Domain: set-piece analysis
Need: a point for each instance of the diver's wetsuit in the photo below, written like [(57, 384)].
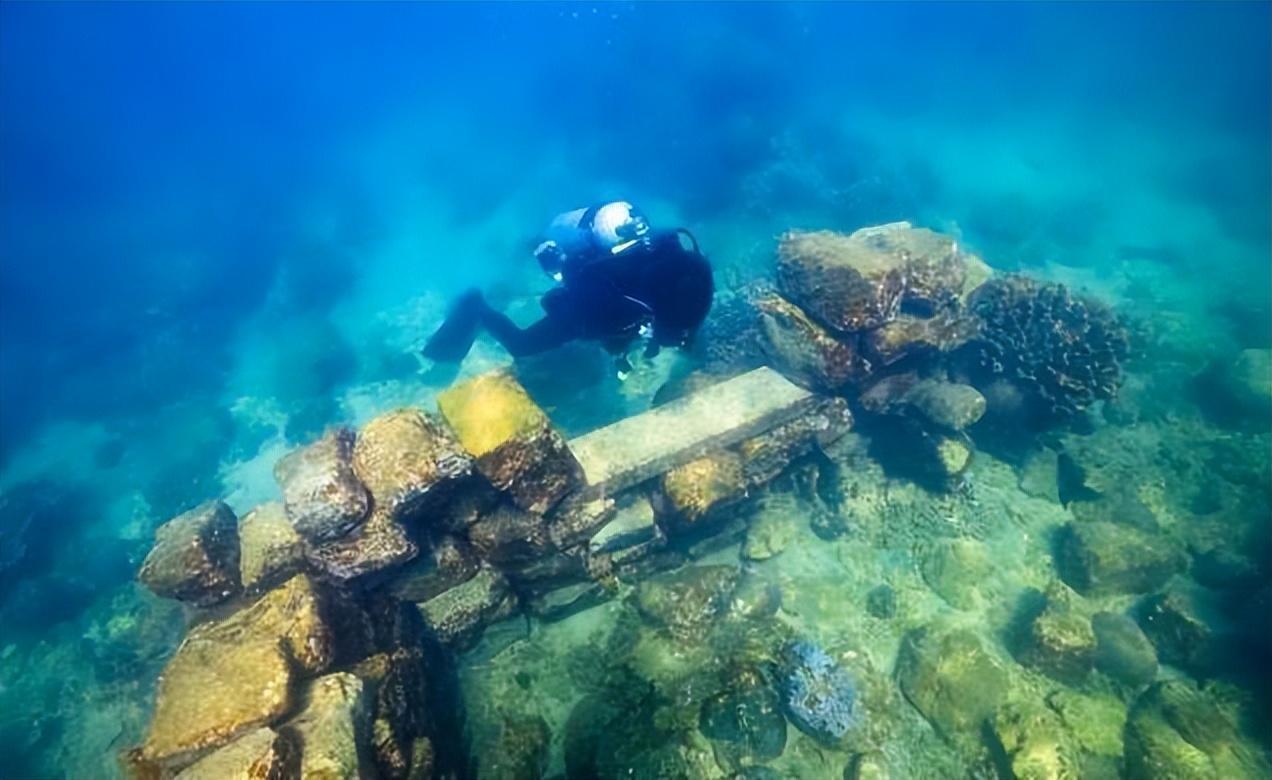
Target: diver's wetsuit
[(603, 297)]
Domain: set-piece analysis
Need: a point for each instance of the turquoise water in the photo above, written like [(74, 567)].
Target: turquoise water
[(224, 228)]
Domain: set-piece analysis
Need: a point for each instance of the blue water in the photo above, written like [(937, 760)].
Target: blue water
[(224, 227)]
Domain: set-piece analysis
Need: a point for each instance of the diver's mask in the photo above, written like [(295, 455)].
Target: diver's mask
[(551, 259)]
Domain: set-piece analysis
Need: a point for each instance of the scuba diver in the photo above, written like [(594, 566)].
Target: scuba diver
[(618, 281)]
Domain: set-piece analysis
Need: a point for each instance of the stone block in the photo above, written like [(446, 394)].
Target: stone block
[(263, 754), (410, 463), (637, 448), (196, 556), (458, 616), (322, 496), (379, 544), (512, 440), (270, 550)]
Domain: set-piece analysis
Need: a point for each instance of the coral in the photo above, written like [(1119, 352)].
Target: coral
[(819, 694), (323, 498), (1065, 352)]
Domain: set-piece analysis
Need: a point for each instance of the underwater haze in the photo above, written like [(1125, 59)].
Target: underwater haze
[(227, 228)]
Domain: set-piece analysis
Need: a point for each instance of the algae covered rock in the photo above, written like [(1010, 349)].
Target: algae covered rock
[(907, 335), (263, 754), (512, 440), (951, 679), (767, 455), (946, 404), (768, 534), (457, 616), (270, 550), (518, 750), (953, 568), (1177, 730), (195, 557), (805, 351), (685, 602), (1175, 622), (323, 498), (820, 695), (510, 535), (448, 562), (844, 282), (378, 544), (396, 690), (1035, 742), (213, 692), (332, 728), (937, 271), (1122, 650), (691, 491), (1102, 557), (745, 717), (1061, 643), (409, 462)]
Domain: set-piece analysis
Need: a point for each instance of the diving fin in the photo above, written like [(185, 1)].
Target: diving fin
[(452, 341)]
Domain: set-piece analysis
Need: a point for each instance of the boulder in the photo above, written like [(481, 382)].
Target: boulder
[(953, 568), (263, 754), (1096, 723), (270, 550), (1122, 651), (687, 601), (688, 493), (767, 455), (908, 335), (1177, 730), (768, 534), (630, 525), (547, 571), (510, 535), (397, 694), (1061, 643), (512, 440), (196, 556), (448, 562), (518, 750), (576, 518), (1103, 557), (379, 544), (315, 625), (212, 692), (560, 603), (1034, 740), (322, 496), (1175, 621), (333, 728), (410, 463), (745, 719), (842, 281), (951, 679), (803, 350), (1040, 475), (946, 404), (458, 616), (936, 271)]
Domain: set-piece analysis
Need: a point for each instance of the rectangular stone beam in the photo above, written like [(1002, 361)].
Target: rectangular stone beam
[(646, 445)]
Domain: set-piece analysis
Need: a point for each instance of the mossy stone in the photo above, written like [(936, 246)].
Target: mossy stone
[(1034, 741), (1102, 557), (954, 567), (1122, 651), (1061, 643), (950, 678)]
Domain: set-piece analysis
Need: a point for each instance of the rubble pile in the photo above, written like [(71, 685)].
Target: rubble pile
[(313, 619)]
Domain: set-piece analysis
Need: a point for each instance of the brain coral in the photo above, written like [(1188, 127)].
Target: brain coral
[(1064, 351)]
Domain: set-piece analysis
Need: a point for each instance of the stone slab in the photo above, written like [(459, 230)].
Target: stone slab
[(637, 448)]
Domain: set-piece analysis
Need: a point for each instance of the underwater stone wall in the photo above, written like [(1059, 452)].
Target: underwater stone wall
[(316, 619)]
